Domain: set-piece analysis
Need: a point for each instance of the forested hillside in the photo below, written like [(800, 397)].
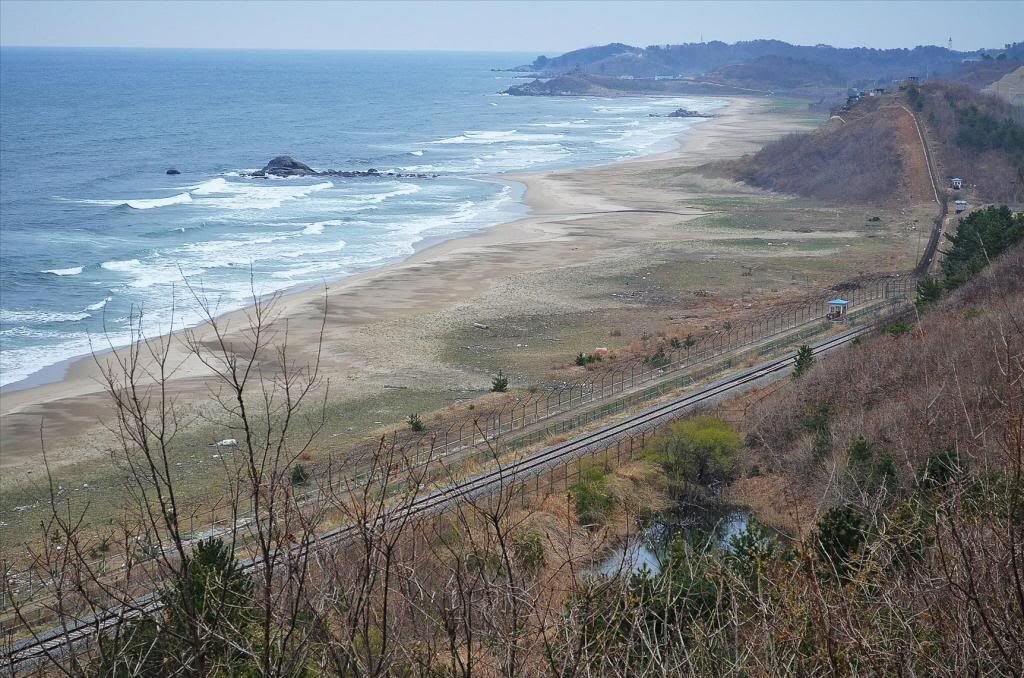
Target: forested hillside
[(699, 58), (981, 138)]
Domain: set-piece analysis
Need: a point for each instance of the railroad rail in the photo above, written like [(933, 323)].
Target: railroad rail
[(55, 644)]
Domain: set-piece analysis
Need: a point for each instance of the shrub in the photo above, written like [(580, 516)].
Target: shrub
[(658, 359), (752, 551), (300, 476), (839, 538), (897, 328), (212, 592), (870, 468), (415, 423), (584, 359), (915, 98), (701, 450), (485, 562), (593, 501), (529, 551), (928, 292), (500, 383), (803, 362), (818, 421), (939, 469)]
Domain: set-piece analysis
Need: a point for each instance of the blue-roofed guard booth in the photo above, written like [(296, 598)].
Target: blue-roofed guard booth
[(837, 309)]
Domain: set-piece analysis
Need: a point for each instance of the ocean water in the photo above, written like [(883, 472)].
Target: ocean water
[(92, 228)]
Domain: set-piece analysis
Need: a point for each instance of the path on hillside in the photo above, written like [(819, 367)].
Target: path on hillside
[(924, 264)]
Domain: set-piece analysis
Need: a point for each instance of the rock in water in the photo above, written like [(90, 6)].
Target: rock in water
[(173, 171), (286, 166)]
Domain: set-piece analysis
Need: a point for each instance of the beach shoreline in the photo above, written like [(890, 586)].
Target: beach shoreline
[(382, 321), (56, 372)]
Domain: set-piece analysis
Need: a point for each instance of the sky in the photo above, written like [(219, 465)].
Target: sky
[(524, 26)]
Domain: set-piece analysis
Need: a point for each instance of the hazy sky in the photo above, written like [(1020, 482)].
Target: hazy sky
[(540, 27)]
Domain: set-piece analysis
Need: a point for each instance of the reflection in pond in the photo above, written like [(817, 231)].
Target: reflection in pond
[(647, 547)]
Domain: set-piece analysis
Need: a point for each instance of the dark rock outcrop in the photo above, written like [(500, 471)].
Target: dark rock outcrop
[(285, 166), (683, 113)]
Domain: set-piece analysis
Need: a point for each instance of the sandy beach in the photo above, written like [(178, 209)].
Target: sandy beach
[(403, 323)]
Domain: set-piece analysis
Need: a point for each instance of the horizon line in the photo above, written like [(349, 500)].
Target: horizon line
[(269, 49), (558, 51)]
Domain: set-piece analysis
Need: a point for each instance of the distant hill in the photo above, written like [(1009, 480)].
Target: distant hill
[(580, 83), (778, 73), (980, 74), (695, 59)]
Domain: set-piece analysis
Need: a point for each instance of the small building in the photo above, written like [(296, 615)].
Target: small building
[(837, 309), (956, 183), (879, 91), (960, 205)]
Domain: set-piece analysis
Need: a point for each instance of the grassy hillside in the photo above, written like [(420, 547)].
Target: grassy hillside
[(872, 154), (871, 157)]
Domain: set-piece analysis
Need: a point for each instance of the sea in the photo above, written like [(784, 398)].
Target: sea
[(93, 231)]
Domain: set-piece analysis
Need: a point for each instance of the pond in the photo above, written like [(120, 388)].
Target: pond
[(647, 547)]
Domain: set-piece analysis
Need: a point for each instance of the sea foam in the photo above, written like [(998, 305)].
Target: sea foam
[(74, 270), (99, 304), (158, 202), (233, 195), (496, 137), (39, 317), (124, 266)]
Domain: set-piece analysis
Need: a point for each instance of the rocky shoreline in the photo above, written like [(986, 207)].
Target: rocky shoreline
[(287, 166), (682, 113)]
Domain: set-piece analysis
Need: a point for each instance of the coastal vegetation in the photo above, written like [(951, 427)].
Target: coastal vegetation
[(885, 537), (499, 384), (701, 450), (981, 237), (803, 361)]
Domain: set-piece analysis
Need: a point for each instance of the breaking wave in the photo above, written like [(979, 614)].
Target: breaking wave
[(74, 270)]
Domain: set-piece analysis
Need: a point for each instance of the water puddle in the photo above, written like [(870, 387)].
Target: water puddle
[(646, 548)]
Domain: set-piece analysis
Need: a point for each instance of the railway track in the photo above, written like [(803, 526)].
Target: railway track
[(55, 643)]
